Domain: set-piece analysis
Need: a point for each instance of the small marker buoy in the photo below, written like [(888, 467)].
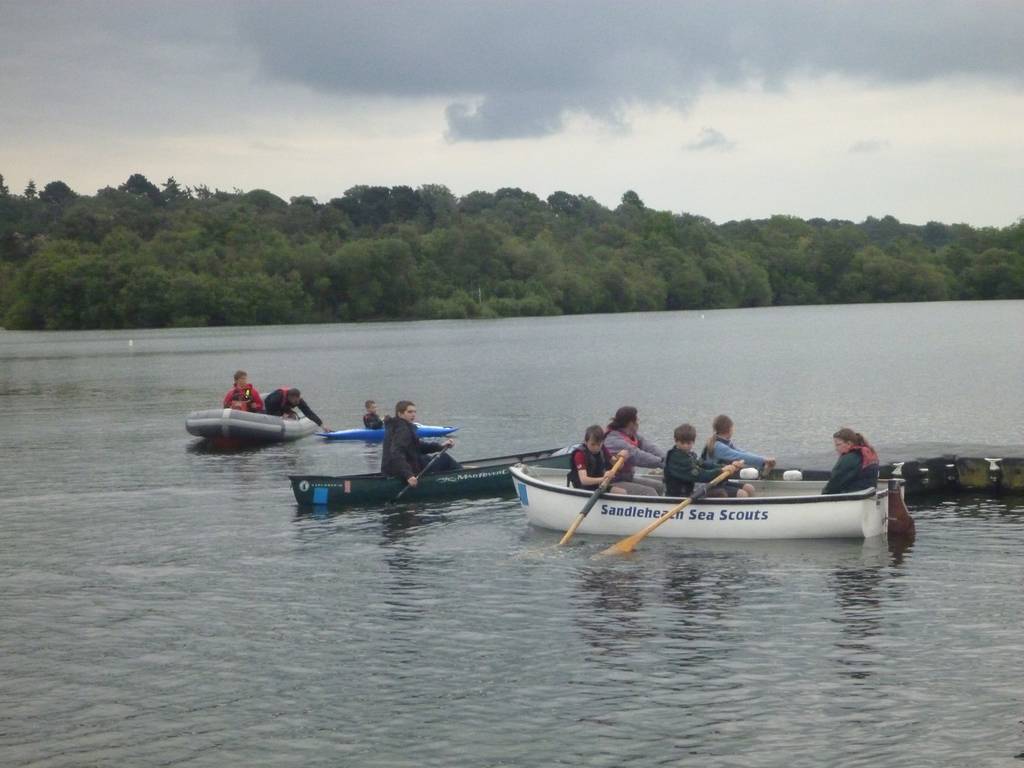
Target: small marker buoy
[(131, 342)]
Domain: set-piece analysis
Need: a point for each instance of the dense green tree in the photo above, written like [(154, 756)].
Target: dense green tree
[(140, 256)]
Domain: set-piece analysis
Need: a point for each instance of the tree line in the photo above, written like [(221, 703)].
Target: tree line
[(143, 255)]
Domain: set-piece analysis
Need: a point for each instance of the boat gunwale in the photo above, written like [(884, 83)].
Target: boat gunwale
[(581, 493), (509, 460)]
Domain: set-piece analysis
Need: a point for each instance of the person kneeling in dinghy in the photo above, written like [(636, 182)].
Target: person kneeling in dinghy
[(402, 453), (243, 395), (283, 402)]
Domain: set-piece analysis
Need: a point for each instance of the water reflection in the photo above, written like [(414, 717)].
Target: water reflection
[(609, 608)]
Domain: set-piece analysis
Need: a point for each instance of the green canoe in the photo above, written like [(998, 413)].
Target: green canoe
[(481, 477)]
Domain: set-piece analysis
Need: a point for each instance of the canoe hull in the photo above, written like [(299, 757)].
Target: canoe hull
[(377, 435), (228, 425), (789, 511), (481, 477)]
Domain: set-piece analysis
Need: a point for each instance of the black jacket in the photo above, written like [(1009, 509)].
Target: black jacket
[(372, 421), (276, 404), (402, 450)]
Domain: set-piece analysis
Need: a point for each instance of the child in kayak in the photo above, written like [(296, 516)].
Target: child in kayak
[(370, 419)]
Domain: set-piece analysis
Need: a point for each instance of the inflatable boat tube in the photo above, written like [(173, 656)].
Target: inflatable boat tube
[(242, 426)]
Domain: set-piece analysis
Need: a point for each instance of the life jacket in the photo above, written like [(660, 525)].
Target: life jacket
[(596, 465), (868, 476), (673, 485), (241, 398), (718, 439)]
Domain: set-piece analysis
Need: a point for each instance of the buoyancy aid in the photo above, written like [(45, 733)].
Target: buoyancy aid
[(868, 465), (596, 465)]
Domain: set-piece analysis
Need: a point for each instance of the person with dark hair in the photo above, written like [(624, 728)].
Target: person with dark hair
[(243, 395), (402, 453), (720, 447), (283, 402), (370, 419), (685, 472), (591, 463), (622, 434), (857, 466)]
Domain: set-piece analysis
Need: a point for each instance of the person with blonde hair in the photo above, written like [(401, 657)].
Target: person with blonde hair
[(857, 466), (721, 449)]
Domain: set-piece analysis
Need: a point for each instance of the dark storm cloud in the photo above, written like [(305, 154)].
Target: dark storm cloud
[(505, 69), (513, 69)]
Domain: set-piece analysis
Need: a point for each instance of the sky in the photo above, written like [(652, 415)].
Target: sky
[(725, 109)]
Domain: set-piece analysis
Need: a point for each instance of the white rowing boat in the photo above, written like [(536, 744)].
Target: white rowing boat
[(780, 509)]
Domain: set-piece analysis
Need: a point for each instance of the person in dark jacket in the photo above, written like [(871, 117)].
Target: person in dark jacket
[(591, 463), (857, 466), (284, 401), (370, 419), (686, 472), (402, 454)]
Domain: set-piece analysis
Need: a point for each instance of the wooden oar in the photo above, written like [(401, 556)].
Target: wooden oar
[(629, 543), (592, 500), (422, 473)]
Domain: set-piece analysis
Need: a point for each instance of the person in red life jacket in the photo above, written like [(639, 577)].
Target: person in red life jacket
[(243, 396), (857, 466), (591, 463), (370, 419), (284, 401), (403, 455), (623, 434)]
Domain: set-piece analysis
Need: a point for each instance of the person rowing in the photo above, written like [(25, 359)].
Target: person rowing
[(402, 453), (623, 434), (721, 449)]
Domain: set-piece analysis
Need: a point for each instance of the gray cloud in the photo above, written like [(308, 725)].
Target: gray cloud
[(710, 139), (527, 63), (868, 146), (506, 69)]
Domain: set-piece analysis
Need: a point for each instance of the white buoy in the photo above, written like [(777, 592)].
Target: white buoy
[(131, 342), (792, 474), (749, 473)]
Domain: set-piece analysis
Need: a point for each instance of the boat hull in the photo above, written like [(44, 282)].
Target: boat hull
[(787, 510), (481, 477), (377, 435), (229, 425)]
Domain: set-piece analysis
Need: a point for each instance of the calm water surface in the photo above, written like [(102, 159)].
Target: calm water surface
[(164, 605)]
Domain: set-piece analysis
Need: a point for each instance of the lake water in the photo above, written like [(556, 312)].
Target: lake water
[(165, 605)]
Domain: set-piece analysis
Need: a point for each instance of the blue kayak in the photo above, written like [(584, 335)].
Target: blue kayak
[(377, 435)]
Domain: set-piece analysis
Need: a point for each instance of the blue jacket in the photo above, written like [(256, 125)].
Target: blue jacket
[(726, 453)]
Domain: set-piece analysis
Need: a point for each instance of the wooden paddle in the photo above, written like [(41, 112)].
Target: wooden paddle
[(423, 471), (592, 500), (629, 543)]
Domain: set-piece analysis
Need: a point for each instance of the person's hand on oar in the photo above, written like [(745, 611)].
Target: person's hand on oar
[(629, 543), (607, 481), (412, 482)]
